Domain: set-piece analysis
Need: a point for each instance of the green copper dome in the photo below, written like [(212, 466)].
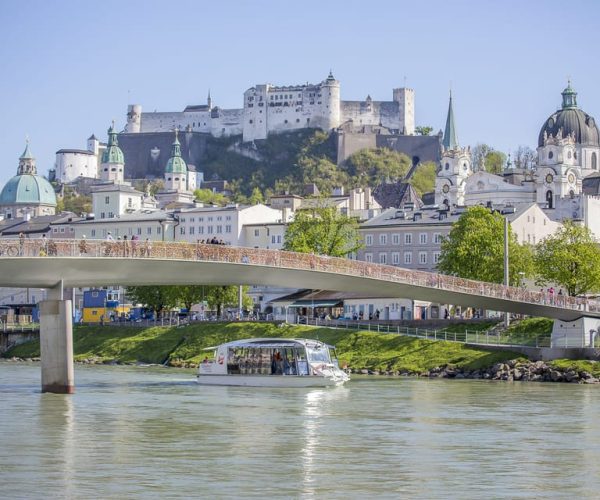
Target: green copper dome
[(28, 189), (113, 153), (176, 164)]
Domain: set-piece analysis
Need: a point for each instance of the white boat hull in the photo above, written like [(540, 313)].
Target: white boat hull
[(268, 380)]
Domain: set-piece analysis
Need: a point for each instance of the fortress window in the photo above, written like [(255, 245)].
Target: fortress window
[(250, 121), (550, 155), (113, 169), (106, 169), (285, 121), (297, 120)]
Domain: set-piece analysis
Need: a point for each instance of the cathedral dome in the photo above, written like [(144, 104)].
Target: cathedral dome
[(28, 189), (570, 120)]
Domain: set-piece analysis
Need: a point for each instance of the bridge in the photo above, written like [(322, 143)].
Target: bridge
[(58, 264)]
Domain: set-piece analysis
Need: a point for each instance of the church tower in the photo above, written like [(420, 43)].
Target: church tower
[(112, 167), (455, 166), (176, 170)]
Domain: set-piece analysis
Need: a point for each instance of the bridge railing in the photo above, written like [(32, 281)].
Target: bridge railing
[(48, 248)]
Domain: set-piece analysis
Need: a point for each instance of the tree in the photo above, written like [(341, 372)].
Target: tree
[(324, 231), (474, 249), (369, 167), (256, 196), (479, 154), (423, 130), (571, 258), (73, 202), (221, 296), (209, 196), (495, 162), (524, 157), (188, 295), (157, 298), (423, 178)]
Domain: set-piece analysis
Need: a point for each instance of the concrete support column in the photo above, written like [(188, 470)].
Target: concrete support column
[(56, 344)]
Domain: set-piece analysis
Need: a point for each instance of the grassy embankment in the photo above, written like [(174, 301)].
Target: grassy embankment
[(184, 345)]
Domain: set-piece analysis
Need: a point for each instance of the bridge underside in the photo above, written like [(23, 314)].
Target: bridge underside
[(79, 272)]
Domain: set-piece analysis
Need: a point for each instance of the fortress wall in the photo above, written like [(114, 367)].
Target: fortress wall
[(384, 113)]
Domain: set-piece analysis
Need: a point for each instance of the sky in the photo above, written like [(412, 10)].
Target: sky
[(70, 67)]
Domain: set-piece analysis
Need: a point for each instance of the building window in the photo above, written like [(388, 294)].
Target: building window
[(93, 233), (423, 238), (408, 239), (273, 239), (219, 218), (395, 258), (129, 202), (209, 230), (148, 230), (157, 229), (228, 228), (192, 230), (437, 238), (368, 257), (102, 215), (383, 239), (111, 215), (139, 231), (550, 154), (200, 230), (594, 161), (182, 230), (383, 258), (422, 257), (408, 257), (369, 240), (396, 239), (107, 200), (219, 229), (436, 257), (257, 232)]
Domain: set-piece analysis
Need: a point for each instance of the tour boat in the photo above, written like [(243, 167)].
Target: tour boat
[(272, 363)]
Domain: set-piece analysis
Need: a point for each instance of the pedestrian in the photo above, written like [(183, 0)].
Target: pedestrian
[(109, 237), (21, 243)]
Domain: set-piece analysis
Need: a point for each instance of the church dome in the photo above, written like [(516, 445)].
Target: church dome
[(28, 189), (571, 120), (113, 153), (176, 164)]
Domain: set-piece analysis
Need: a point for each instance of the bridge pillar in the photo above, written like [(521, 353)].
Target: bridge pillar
[(56, 343)]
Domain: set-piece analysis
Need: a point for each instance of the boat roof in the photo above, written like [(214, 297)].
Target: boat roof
[(272, 343)]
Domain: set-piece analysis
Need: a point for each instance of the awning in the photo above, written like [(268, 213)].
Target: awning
[(317, 303)]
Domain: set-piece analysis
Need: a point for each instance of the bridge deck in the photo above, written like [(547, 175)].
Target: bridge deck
[(42, 264)]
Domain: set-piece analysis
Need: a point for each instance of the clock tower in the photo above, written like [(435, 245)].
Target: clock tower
[(455, 166)]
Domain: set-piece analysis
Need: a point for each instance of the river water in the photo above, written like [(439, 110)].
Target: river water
[(147, 431)]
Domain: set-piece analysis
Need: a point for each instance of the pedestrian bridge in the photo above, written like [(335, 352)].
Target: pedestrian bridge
[(78, 263), (56, 264)]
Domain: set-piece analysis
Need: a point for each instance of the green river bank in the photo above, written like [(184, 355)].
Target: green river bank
[(360, 351)]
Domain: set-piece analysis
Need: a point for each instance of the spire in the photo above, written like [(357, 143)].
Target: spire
[(27, 153), (569, 97), (176, 146), (450, 141), (112, 136), (27, 161), (209, 100)]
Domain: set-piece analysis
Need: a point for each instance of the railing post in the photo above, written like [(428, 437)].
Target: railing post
[(398, 329)]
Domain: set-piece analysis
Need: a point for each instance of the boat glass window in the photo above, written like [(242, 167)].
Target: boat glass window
[(318, 355)]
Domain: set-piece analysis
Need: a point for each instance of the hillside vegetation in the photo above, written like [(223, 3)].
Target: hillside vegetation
[(179, 346), (288, 161)]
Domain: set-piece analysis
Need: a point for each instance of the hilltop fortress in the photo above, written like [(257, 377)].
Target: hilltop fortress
[(270, 110)]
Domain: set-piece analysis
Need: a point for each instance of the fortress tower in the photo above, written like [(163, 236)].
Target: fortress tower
[(405, 98)]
